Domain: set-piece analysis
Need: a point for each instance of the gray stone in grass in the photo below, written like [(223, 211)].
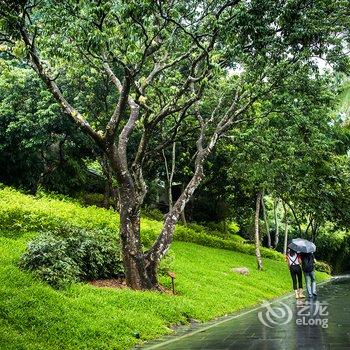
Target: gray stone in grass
[(241, 270)]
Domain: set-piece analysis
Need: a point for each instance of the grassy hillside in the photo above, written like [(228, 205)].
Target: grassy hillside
[(21, 213), (35, 316)]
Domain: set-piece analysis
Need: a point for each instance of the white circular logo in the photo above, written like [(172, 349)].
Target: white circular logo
[(275, 315)]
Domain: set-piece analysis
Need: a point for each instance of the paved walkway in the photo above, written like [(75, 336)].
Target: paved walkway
[(283, 324)]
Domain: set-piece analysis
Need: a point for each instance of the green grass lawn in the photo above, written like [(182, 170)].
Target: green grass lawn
[(35, 316)]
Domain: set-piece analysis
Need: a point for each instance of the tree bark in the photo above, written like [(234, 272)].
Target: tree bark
[(314, 229), (257, 235), (165, 238), (275, 207), (183, 214), (266, 221), (106, 195), (139, 271), (170, 174), (296, 219), (285, 228)]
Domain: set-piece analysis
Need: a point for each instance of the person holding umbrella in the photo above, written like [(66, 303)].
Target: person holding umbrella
[(294, 262), (308, 261), (306, 248)]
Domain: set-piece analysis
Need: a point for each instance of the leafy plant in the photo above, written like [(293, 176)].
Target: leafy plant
[(153, 214), (167, 263), (323, 267), (66, 255)]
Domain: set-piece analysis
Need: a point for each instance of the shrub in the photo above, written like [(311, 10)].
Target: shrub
[(238, 238), (46, 258), (61, 216), (153, 214), (270, 253), (70, 254), (222, 229), (86, 198), (167, 263), (233, 227), (323, 267), (218, 229), (196, 227)]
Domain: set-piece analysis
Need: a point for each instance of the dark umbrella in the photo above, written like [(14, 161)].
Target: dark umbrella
[(302, 246)]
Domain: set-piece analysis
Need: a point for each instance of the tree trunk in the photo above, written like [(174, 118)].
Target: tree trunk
[(141, 268), (161, 246), (183, 215), (106, 195), (296, 219), (266, 221), (139, 271), (183, 218), (314, 230), (285, 229), (170, 174), (275, 207), (308, 226), (257, 236)]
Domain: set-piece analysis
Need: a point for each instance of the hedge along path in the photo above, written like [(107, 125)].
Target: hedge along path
[(20, 212)]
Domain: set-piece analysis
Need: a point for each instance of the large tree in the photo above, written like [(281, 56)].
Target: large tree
[(200, 64)]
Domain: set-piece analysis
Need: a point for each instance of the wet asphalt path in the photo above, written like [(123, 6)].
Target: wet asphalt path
[(285, 324)]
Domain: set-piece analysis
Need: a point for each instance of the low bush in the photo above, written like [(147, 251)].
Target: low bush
[(46, 257), (222, 229), (69, 254), (238, 238), (218, 229), (167, 263), (86, 198), (148, 236), (323, 267), (153, 214), (196, 227)]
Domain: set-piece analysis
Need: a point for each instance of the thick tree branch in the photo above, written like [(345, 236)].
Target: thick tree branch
[(113, 123), (74, 115), (160, 67)]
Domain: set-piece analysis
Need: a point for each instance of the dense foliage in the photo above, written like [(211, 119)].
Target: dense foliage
[(68, 255), (39, 146)]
